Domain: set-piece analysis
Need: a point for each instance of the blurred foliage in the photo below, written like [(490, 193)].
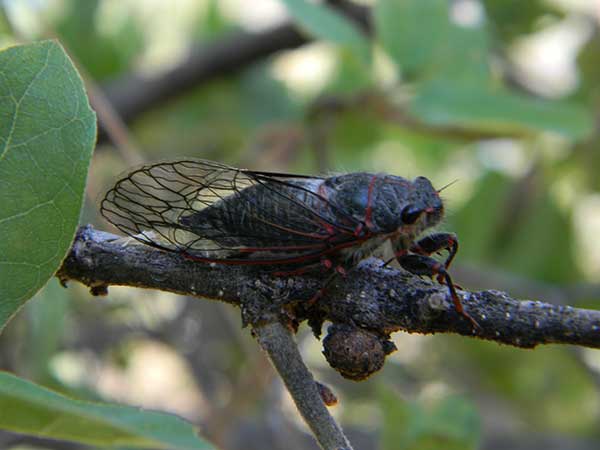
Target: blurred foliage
[(103, 55), (450, 422), (546, 386), (447, 50), (326, 24), (211, 23), (46, 318), (509, 25), (508, 242), (431, 91)]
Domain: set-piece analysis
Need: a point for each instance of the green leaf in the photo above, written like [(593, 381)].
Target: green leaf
[(443, 103), (445, 49), (29, 408), (451, 423), (47, 134), (324, 23)]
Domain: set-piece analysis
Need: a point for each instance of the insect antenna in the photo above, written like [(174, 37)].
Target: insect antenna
[(447, 186)]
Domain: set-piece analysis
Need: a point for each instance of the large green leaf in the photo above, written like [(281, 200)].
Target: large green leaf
[(47, 134), (28, 408), (324, 23), (443, 103)]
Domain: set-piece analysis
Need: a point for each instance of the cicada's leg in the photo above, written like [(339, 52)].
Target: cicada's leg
[(324, 265), (337, 270), (437, 242), (425, 265)]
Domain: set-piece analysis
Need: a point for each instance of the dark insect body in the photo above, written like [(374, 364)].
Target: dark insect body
[(213, 213)]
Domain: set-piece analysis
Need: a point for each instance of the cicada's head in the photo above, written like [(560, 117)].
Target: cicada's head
[(389, 203), (411, 206), (424, 207)]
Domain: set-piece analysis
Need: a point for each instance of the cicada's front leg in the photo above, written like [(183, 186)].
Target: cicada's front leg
[(428, 266), (435, 243)]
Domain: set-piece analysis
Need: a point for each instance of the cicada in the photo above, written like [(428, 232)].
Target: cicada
[(213, 213)]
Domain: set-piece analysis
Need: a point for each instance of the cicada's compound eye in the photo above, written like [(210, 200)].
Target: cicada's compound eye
[(410, 214)]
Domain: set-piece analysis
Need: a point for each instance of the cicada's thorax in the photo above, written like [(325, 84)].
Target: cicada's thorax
[(378, 200)]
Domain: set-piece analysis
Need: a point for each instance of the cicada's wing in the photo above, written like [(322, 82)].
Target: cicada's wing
[(213, 212)]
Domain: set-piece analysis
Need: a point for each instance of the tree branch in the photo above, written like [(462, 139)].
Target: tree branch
[(382, 300), (364, 307)]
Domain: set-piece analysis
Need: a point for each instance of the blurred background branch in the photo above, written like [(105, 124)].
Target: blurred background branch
[(132, 95)]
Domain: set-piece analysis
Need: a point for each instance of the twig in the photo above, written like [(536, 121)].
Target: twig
[(113, 125), (278, 342)]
